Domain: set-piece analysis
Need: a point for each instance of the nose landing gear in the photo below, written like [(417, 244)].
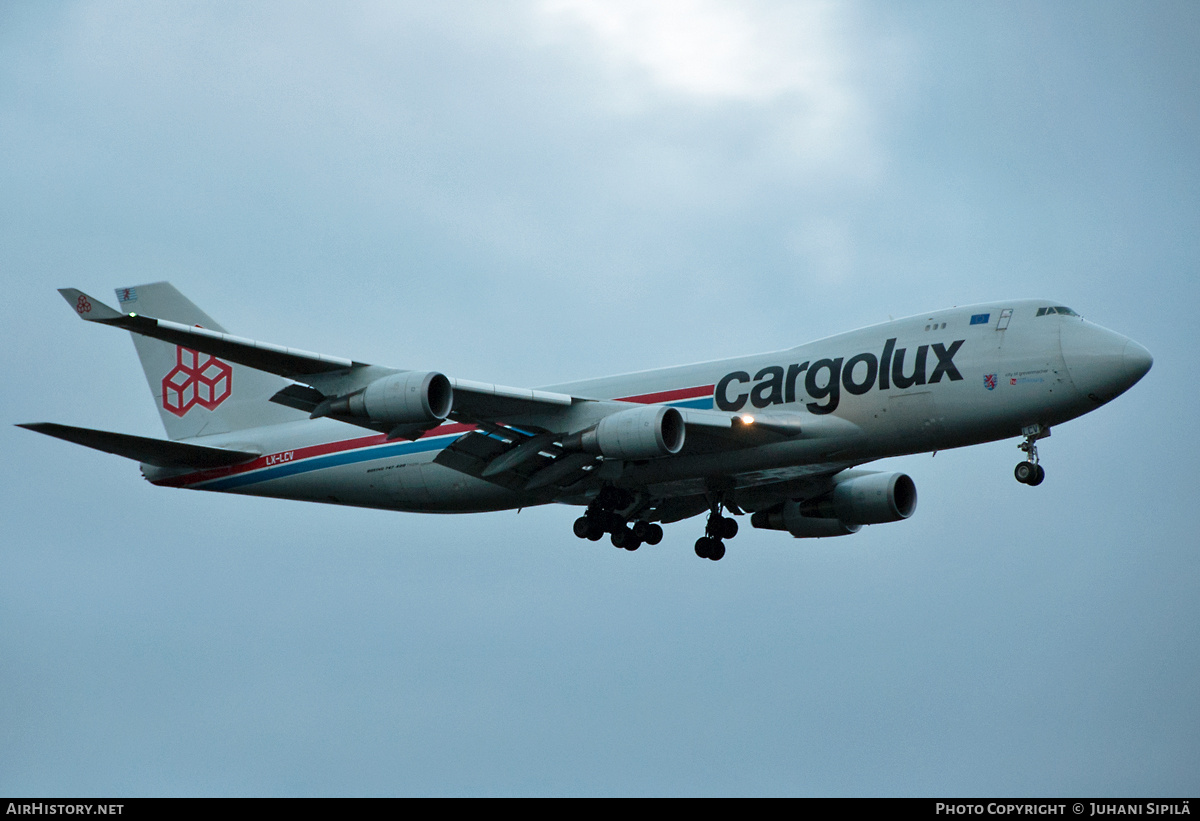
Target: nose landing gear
[(1030, 472)]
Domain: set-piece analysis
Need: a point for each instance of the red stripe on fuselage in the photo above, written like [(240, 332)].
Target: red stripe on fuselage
[(297, 454), (670, 396), (447, 429)]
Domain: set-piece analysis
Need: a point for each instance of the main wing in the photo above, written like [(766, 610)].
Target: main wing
[(523, 439), (327, 377)]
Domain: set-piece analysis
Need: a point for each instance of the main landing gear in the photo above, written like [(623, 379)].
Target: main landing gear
[(602, 517), (612, 508), (711, 544), (1030, 472)]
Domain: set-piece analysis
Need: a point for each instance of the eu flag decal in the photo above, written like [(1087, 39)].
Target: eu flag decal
[(980, 319)]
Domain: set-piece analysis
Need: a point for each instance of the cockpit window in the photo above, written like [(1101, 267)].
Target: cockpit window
[(1059, 309)]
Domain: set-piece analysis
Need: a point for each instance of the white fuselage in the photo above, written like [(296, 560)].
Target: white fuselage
[(946, 379)]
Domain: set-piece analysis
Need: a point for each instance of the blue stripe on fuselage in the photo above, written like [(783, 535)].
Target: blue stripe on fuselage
[(702, 403), (332, 460), (368, 454)]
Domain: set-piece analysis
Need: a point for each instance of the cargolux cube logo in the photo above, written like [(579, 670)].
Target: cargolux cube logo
[(194, 380)]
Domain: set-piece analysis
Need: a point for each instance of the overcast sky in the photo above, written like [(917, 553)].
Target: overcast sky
[(536, 192)]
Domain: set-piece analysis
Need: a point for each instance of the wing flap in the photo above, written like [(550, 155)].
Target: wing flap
[(472, 452), (515, 459), (475, 401)]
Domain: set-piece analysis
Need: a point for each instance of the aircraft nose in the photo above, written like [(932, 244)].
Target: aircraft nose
[(1137, 361), (1102, 364)]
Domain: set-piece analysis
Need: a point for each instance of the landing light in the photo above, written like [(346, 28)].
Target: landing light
[(747, 419)]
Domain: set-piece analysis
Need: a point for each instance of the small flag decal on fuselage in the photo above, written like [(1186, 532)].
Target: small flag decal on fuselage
[(980, 319)]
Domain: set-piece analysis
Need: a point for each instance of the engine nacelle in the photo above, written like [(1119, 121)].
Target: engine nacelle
[(409, 398), (790, 518), (866, 498), (638, 433)]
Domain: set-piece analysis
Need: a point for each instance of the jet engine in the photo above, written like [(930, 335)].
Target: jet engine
[(638, 433), (409, 398), (789, 518), (865, 498), (858, 498)]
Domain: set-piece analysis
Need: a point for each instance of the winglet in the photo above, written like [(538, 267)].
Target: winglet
[(88, 307)]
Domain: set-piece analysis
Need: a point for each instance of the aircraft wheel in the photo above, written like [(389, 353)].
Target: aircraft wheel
[(581, 527), (1025, 472), (632, 543), (729, 528), (1039, 476), (595, 531), (709, 548), (621, 537), (647, 532)]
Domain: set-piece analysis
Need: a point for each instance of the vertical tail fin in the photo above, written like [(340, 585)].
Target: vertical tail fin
[(197, 394)]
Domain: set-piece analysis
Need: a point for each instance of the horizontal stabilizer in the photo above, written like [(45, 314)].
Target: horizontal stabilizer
[(157, 452)]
